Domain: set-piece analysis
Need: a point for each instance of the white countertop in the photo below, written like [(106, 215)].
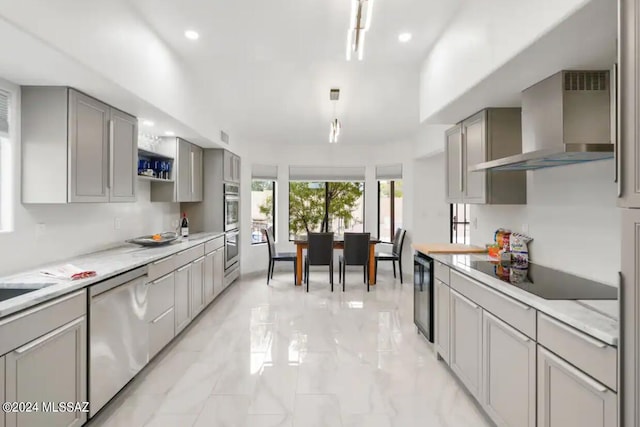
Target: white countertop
[(106, 264), (598, 318)]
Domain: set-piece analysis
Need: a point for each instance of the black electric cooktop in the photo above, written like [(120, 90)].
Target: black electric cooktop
[(546, 282)]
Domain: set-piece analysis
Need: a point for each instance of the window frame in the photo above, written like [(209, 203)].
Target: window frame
[(326, 206), (453, 224), (273, 209), (392, 208)]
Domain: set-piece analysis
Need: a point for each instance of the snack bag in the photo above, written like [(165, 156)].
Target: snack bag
[(502, 237), (518, 244)]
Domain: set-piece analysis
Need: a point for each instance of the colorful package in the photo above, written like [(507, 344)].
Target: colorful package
[(518, 245)]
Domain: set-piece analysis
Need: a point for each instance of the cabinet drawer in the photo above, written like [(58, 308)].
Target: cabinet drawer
[(27, 325), (214, 244), (441, 272), (590, 355), (161, 332), (185, 257), (161, 267), (517, 314), (160, 295)]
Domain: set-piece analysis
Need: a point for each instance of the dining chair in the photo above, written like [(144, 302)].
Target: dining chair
[(275, 256), (319, 252), (395, 255), (356, 252)]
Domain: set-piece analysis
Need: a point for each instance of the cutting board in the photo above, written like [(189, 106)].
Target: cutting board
[(447, 248)]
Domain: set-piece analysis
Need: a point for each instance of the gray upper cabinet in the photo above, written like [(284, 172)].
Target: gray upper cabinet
[(123, 157), (627, 149), (441, 341), (51, 368), (508, 374), (466, 342), (491, 134), (188, 173), (453, 153), (231, 168), (569, 398), (75, 148)]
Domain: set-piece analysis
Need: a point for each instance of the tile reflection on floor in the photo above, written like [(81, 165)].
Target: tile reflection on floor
[(278, 356)]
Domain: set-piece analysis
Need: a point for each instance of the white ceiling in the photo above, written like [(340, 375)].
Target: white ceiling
[(265, 67)]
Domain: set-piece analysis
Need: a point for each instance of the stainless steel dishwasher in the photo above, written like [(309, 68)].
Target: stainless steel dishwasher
[(118, 335)]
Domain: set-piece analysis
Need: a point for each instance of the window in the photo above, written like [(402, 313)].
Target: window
[(325, 206), (389, 209), (6, 167), (263, 209), (460, 215)]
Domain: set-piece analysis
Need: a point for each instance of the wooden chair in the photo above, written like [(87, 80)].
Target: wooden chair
[(319, 252), (395, 255), (356, 252), (275, 256)]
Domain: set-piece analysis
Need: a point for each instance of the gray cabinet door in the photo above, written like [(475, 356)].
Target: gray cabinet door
[(89, 149), (628, 144), (567, 397), (2, 387), (441, 341), (453, 155), (209, 261), (123, 157), (184, 182), (630, 310), (52, 368), (508, 374), (197, 287), (227, 168), (474, 137), (466, 342), (197, 177), (218, 271), (182, 305), (236, 168)]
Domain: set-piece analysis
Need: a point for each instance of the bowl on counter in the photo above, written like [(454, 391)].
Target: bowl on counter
[(152, 240)]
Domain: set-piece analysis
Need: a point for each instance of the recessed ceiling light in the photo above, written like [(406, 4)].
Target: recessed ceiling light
[(169, 133), (191, 35), (404, 37), (148, 123)]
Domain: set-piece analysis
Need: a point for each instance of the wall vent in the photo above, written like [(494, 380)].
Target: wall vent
[(224, 137), (585, 80), (334, 94)]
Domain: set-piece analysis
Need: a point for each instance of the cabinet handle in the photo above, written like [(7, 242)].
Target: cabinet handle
[(512, 301), (509, 328), (159, 318), (461, 159), (184, 268), (577, 334), (160, 280), (199, 260), (192, 171), (618, 127), (48, 336), (163, 260), (110, 160), (576, 372), (466, 300)]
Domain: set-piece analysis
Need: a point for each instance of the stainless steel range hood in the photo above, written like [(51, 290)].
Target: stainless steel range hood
[(566, 119)]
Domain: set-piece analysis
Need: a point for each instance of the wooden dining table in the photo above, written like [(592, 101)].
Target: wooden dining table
[(338, 243)]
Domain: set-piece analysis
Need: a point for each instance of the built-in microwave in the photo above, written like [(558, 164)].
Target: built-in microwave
[(231, 207)]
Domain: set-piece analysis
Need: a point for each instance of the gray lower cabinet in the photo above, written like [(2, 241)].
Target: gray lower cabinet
[(161, 331), (508, 374), (182, 304), (197, 287), (209, 290), (123, 157), (51, 368), (218, 272), (466, 342), (161, 322), (2, 383), (441, 341), (569, 398)]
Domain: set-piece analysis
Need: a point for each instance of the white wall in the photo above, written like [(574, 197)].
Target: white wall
[(431, 212), (484, 36), (254, 257), (572, 216), (71, 230)]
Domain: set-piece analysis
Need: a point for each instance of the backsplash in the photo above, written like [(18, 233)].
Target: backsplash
[(571, 215)]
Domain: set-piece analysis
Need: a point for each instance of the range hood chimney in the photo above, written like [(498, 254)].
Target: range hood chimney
[(566, 119)]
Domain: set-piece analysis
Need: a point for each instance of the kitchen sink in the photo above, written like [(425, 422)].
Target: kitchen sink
[(8, 293)]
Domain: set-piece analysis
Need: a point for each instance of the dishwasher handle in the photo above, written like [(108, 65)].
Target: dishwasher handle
[(105, 286)]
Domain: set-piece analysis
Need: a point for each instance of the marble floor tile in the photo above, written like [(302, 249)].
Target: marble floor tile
[(278, 356)]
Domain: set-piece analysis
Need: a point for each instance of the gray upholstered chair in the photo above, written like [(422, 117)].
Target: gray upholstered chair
[(275, 256), (356, 252), (395, 255), (319, 252)]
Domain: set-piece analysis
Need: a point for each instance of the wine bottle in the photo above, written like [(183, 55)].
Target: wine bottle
[(184, 225)]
